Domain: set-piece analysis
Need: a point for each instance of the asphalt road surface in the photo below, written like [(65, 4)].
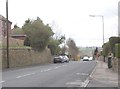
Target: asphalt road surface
[(72, 74)]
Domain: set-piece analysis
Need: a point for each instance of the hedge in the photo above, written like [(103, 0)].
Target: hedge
[(117, 50), (106, 49)]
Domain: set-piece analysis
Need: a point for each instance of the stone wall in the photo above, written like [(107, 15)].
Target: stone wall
[(25, 57), (115, 64)]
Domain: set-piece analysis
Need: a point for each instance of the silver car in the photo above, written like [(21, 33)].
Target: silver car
[(61, 59)]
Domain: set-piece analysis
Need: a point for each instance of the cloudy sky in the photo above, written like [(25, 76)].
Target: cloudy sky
[(69, 17)]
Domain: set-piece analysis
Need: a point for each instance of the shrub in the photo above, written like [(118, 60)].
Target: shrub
[(117, 50)]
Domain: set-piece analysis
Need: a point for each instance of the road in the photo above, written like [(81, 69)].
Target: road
[(72, 74)]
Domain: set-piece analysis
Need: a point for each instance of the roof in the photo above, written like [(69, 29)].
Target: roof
[(19, 35), (4, 19)]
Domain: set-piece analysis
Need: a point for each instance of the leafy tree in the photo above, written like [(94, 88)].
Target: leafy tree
[(15, 26), (17, 31), (54, 46), (38, 33), (27, 41)]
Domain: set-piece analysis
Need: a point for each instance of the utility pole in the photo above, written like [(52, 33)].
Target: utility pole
[(103, 28), (64, 44), (7, 33)]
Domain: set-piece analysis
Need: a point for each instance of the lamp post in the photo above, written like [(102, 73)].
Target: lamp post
[(102, 26), (7, 33), (102, 22)]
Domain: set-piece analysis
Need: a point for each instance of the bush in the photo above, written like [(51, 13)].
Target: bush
[(117, 50), (113, 41), (27, 42), (106, 49)]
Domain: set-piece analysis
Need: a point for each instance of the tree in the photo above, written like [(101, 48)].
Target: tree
[(17, 31), (15, 26), (27, 41), (38, 33), (73, 50), (54, 46)]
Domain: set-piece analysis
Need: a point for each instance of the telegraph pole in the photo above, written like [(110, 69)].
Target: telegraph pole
[(7, 33), (64, 44)]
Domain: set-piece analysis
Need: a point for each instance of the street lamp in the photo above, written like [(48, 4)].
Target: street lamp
[(102, 23), (102, 26)]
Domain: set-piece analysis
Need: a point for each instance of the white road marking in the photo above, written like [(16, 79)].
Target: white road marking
[(59, 66), (41, 71), (85, 74), (25, 75), (81, 74), (2, 81), (84, 84), (55, 67), (49, 69), (74, 83), (78, 83), (46, 70), (77, 73)]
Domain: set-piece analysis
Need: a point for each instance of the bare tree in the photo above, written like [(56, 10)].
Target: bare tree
[(73, 50)]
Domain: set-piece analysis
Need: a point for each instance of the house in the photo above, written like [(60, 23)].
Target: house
[(3, 26), (14, 40)]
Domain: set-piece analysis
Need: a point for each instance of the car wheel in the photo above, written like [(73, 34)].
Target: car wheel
[(55, 62), (62, 62)]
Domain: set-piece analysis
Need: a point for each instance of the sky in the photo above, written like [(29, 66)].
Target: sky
[(69, 17)]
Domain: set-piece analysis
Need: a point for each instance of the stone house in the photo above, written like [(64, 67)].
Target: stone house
[(3, 27)]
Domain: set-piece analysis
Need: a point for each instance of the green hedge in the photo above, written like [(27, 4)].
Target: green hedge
[(117, 50), (113, 41), (106, 49)]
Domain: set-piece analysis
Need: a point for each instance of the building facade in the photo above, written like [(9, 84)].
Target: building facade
[(3, 27)]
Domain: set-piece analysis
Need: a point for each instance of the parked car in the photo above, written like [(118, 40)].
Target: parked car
[(65, 58), (61, 59), (85, 58)]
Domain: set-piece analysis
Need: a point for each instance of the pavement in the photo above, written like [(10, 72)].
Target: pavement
[(102, 76)]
